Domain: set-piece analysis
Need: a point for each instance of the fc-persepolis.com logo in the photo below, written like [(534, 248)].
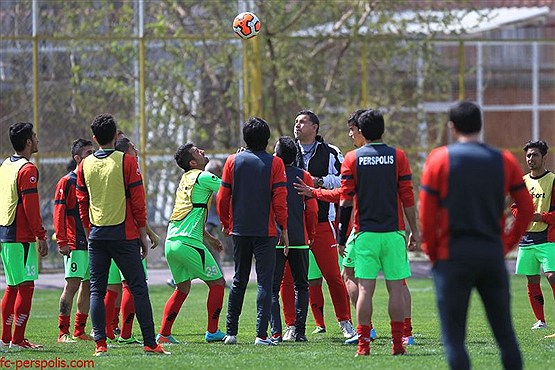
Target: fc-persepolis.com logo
[(55, 363)]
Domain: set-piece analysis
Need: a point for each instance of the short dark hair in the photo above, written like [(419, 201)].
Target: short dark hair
[(540, 144), (78, 145), (256, 133), (104, 128), (183, 156), (353, 118), (122, 144), (312, 117), (71, 165), (20, 132), (466, 116), (371, 124), (286, 149)]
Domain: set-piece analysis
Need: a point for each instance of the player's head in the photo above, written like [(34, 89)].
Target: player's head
[(104, 129), (188, 156), (535, 154), (22, 137), (125, 145), (81, 149), (256, 133), (307, 125), (286, 149), (466, 118), (371, 124), (354, 131), (215, 166)]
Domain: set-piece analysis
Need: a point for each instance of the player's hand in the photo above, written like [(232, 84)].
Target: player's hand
[(215, 243), (285, 241), (414, 241), (302, 188), (65, 250), (43, 248), (154, 238), (340, 249), (537, 217), (144, 245)]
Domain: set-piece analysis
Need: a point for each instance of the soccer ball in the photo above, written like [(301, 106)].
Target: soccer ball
[(246, 25)]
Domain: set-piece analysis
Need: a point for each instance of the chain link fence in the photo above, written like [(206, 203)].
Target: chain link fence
[(165, 90)]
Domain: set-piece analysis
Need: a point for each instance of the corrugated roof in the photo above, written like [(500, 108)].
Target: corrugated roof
[(426, 22)]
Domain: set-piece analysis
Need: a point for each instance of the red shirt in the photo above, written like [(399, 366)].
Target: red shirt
[(67, 224)]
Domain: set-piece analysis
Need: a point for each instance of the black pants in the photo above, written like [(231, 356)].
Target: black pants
[(454, 281), (264, 251), (127, 256), (298, 261)]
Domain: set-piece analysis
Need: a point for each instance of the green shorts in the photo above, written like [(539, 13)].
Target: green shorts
[(77, 265), (313, 269), (189, 259), (385, 252), (349, 259), (115, 276), (20, 262), (530, 258)]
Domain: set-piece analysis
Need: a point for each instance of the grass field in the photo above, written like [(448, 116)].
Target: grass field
[(324, 351)]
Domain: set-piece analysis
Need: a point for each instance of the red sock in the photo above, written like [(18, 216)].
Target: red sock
[(407, 328), (22, 310), (363, 332), (287, 292), (127, 313), (397, 336), (115, 320), (535, 296), (80, 324), (8, 302), (316, 298), (173, 305), (63, 324), (214, 305), (109, 305)]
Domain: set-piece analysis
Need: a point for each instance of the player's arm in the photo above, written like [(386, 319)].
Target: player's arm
[(133, 182), (549, 217), (134, 185), (279, 192), (60, 218), (27, 181), (83, 199), (209, 181), (223, 199), (311, 212), (212, 241), (326, 195), (333, 178), (348, 190), (430, 192), (522, 199), (154, 238), (406, 194)]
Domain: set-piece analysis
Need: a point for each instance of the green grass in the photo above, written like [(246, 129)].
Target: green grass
[(322, 350)]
